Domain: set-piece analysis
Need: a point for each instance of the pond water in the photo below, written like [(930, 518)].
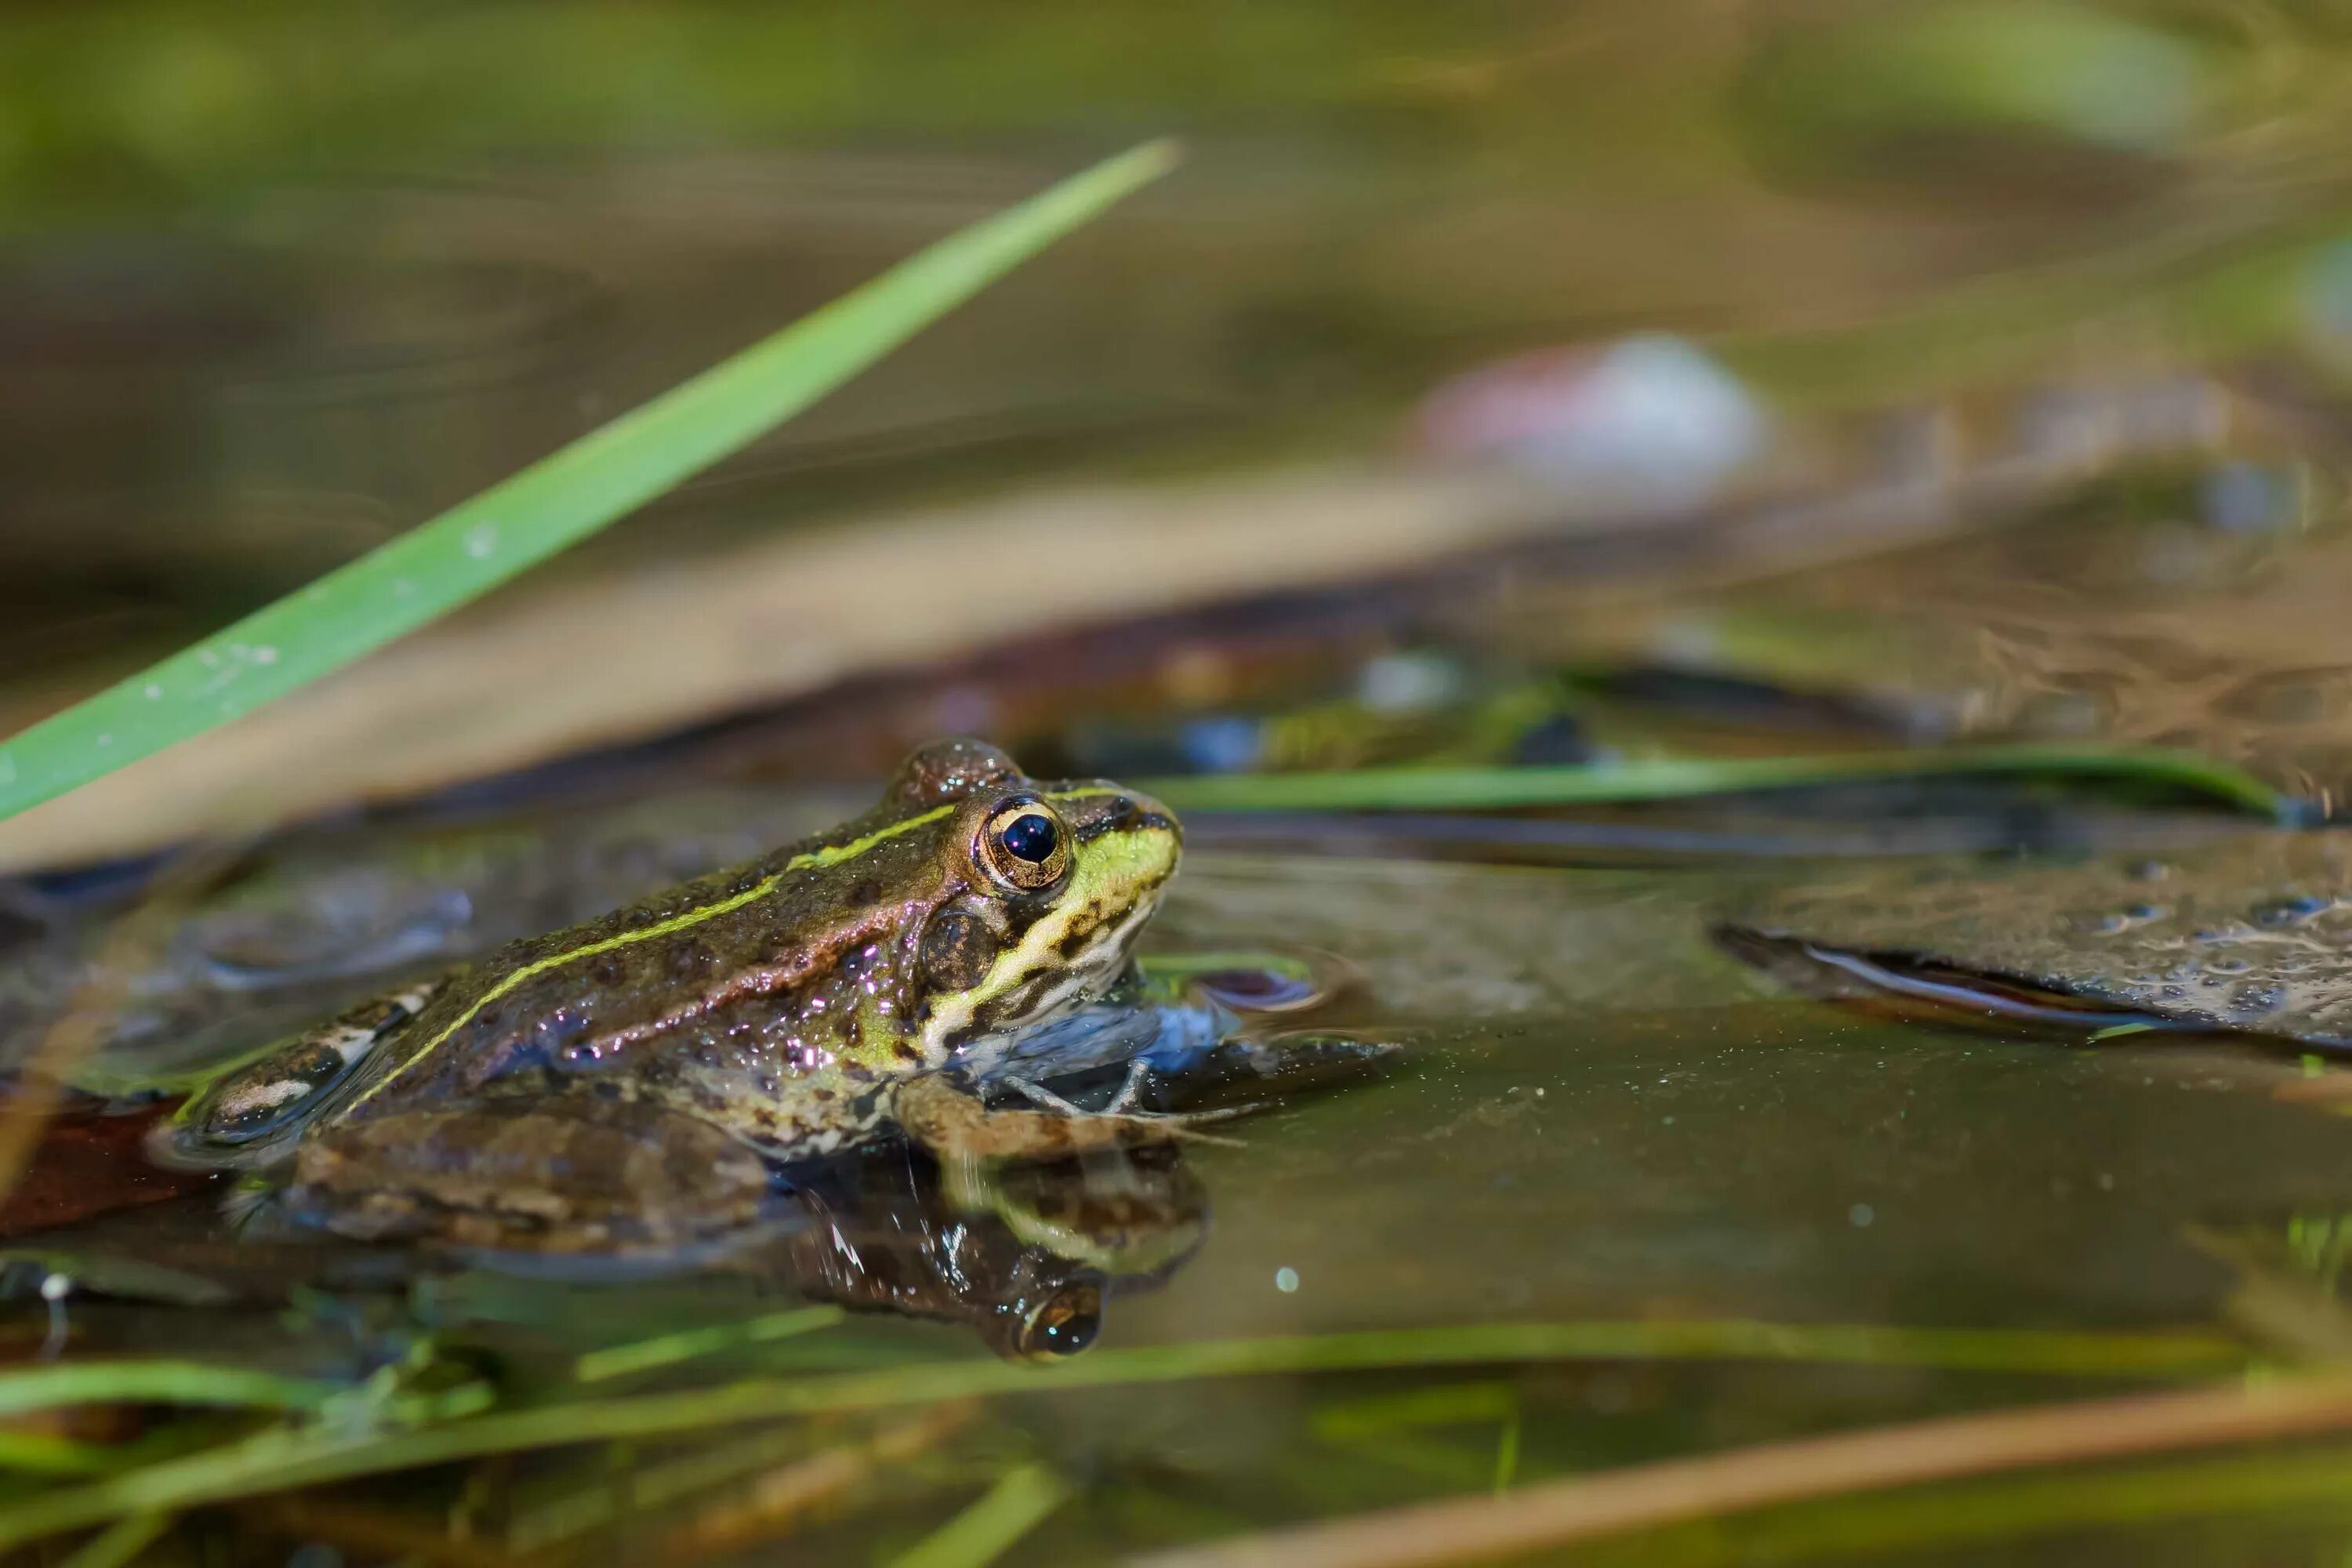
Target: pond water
[(1555, 395)]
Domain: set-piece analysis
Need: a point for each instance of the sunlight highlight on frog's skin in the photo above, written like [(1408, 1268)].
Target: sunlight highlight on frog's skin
[(627, 1077)]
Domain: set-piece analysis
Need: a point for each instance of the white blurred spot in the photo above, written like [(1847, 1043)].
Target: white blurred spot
[(1407, 682), (1649, 420)]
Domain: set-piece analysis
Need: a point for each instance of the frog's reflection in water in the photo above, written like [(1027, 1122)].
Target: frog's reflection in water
[(1031, 1271), (1029, 1257), (1027, 1254)]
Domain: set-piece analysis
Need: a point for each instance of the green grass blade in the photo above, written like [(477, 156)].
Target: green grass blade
[(120, 1542), (1497, 788), (24, 1390), (278, 1457), (668, 1350), (553, 503), (1021, 1500)]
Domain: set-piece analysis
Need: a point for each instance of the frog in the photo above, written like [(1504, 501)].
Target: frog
[(2247, 935), (637, 1081)]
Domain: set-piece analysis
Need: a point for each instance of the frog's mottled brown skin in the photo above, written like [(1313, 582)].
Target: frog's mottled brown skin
[(2250, 933), (776, 1010)]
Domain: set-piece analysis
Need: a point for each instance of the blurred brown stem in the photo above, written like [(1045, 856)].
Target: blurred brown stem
[(1585, 1508)]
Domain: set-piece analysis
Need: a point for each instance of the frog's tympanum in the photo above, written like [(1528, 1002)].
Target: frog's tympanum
[(2250, 933), (630, 1080)]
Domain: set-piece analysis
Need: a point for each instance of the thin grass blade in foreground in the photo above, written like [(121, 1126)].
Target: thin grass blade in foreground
[(554, 503), (1585, 1508), (1021, 1500), (285, 1456), (1500, 788)]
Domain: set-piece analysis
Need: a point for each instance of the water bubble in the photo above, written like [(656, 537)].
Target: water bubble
[(2292, 911), (2246, 498), (1860, 1215), (1286, 1280)]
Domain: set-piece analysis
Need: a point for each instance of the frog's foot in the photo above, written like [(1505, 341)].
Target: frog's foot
[(247, 1117), (946, 1117), (1248, 1073)]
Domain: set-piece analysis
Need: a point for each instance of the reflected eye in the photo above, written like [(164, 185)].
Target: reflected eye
[(1064, 1324), (1025, 848)]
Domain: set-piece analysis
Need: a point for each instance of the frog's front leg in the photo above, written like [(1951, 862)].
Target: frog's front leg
[(247, 1116)]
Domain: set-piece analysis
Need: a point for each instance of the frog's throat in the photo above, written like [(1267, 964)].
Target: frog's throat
[(1070, 951), (823, 855)]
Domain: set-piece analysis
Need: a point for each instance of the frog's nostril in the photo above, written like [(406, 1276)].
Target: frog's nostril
[(1109, 814)]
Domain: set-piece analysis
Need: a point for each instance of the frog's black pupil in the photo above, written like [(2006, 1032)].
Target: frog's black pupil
[(1068, 1324), (1032, 838)]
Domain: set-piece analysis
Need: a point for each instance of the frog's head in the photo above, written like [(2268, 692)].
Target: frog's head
[(1035, 890)]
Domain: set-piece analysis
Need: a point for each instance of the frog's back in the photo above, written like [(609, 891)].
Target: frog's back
[(739, 954)]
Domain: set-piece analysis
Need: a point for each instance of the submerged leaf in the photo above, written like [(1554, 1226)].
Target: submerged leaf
[(2250, 933)]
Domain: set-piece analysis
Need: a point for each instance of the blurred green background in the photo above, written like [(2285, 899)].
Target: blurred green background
[(278, 280)]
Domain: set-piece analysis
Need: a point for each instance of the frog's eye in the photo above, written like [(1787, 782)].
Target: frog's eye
[(1064, 1324), (1025, 847)]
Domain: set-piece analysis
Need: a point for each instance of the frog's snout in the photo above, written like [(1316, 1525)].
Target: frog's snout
[(1115, 808)]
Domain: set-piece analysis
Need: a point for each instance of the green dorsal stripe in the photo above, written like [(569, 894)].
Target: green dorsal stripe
[(828, 855)]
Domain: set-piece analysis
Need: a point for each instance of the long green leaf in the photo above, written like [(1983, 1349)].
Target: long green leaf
[(555, 502), (1498, 788)]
